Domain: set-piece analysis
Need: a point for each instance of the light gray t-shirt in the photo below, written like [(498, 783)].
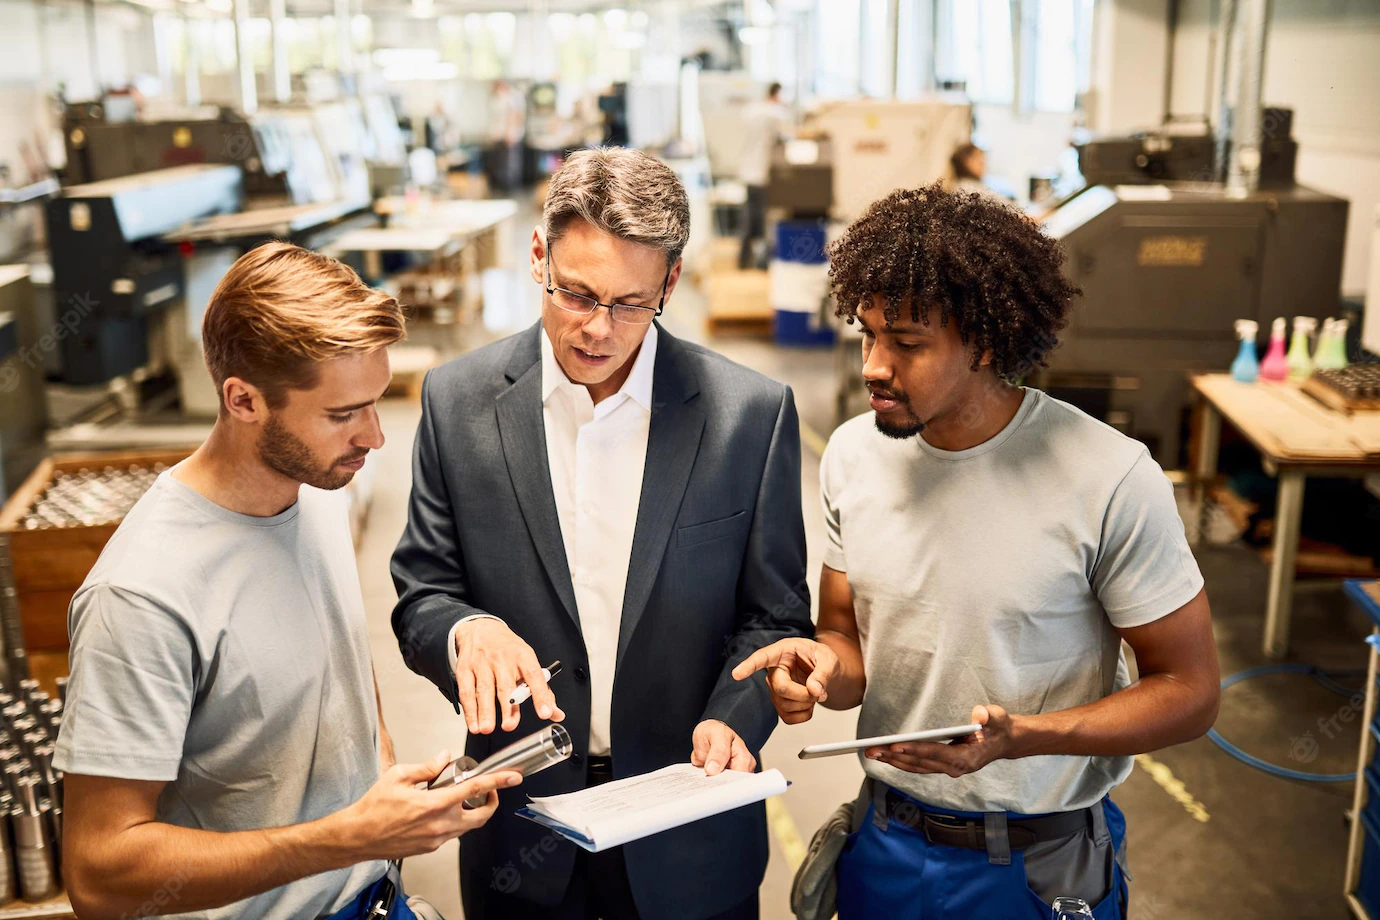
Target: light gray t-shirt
[(997, 575), (228, 655)]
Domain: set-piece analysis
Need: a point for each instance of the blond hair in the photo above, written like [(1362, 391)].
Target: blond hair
[(627, 193), (281, 309)]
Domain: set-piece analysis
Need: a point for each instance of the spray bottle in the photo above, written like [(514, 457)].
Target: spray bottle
[(1332, 346), (1246, 367), (1275, 366), (1299, 360)]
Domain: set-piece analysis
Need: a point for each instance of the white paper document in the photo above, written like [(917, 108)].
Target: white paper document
[(629, 809)]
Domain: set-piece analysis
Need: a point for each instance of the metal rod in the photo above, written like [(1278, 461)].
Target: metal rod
[(1172, 26), (1226, 28), (1243, 171)]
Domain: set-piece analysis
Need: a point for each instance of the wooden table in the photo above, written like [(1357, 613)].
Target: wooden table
[(1297, 438), (432, 227)]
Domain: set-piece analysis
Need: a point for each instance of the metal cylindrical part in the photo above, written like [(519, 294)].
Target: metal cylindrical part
[(34, 740), (7, 875), (34, 852), (46, 711), (15, 710), (24, 729), (14, 770), (62, 690), (28, 687), (527, 756), (1243, 169)]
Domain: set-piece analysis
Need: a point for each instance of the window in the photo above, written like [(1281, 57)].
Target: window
[(977, 44), (974, 47), (836, 49)]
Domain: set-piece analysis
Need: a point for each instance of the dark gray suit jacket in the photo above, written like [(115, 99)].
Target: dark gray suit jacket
[(717, 571)]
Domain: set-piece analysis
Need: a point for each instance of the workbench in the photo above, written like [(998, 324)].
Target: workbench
[(1297, 438), (436, 228)]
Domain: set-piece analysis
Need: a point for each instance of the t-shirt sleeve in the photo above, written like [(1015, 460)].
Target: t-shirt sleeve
[(1144, 568), (129, 699), (829, 483)]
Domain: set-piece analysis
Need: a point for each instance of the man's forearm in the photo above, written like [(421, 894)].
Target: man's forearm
[(177, 869), (846, 690), (1157, 711)]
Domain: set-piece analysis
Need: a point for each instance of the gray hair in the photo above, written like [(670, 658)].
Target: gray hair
[(627, 193)]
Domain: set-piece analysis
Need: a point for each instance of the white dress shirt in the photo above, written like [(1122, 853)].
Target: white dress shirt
[(596, 455)]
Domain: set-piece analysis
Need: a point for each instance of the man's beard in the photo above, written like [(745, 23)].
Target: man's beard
[(900, 430), (288, 455)]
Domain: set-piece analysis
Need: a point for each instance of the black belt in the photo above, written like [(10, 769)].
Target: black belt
[(599, 770), (970, 833)]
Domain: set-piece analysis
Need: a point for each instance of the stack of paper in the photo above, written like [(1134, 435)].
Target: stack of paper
[(629, 809)]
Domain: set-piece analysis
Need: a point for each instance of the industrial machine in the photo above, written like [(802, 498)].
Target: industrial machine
[(113, 268), (1174, 238), (289, 154), (22, 417), (1179, 156), (879, 146), (1165, 271)]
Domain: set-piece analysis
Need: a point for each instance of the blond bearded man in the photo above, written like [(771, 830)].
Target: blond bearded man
[(224, 752)]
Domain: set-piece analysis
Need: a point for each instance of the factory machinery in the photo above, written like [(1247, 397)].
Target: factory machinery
[(161, 210), (1175, 237)]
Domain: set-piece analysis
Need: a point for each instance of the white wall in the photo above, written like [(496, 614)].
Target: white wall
[(1130, 44), (1323, 61), (1020, 146)]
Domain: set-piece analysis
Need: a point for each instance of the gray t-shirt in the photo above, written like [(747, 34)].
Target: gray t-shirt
[(228, 656), (998, 574)]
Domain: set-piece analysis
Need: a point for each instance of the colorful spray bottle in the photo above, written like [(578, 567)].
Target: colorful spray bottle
[(1299, 360), (1246, 368), (1275, 366), (1331, 354)]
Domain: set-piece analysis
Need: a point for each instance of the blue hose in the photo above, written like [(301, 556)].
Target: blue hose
[(1325, 678)]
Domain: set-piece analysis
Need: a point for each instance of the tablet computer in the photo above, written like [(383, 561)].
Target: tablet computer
[(849, 747)]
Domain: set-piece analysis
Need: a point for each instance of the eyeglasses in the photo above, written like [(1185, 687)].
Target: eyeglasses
[(627, 313)]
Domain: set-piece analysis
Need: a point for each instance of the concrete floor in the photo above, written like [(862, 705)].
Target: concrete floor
[(1268, 847)]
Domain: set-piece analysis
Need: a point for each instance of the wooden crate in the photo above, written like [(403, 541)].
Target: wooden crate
[(740, 304), (410, 364), (50, 565)]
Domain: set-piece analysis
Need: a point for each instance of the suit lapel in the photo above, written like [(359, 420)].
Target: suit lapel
[(673, 440), (523, 434)]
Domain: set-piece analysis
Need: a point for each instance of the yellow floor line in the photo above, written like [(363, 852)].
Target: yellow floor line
[(811, 439), (1166, 780), (786, 833)]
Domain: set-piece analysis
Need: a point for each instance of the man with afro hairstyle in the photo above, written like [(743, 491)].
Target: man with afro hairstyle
[(989, 549)]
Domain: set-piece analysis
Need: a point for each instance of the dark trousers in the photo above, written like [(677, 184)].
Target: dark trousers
[(598, 890), (754, 224)]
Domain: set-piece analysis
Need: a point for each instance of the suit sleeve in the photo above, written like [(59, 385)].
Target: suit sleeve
[(429, 565), (773, 596)]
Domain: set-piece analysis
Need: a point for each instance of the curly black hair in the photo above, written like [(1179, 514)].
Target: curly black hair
[(982, 263)]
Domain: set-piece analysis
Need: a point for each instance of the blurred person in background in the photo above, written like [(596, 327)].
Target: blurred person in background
[(765, 123)]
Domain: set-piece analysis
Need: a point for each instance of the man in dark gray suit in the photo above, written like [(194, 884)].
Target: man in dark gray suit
[(593, 490)]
